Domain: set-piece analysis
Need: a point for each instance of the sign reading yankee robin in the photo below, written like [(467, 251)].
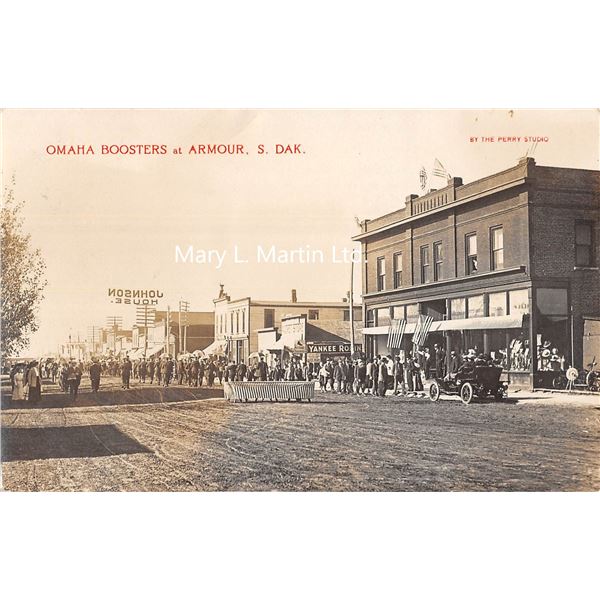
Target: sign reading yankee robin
[(330, 347), (125, 296)]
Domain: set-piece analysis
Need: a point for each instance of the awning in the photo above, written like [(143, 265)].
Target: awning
[(154, 349), (384, 329), (278, 345), (217, 347), (505, 322)]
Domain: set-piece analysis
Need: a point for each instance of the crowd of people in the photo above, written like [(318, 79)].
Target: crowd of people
[(404, 373)]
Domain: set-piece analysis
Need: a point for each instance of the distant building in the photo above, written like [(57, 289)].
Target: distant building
[(197, 332), (313, 341), (507, 264), (238, 322)]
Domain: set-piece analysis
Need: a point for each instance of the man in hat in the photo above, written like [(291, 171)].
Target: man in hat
[(126, 372), (454, 361), (95, 371), (440, 360), (261, 369)]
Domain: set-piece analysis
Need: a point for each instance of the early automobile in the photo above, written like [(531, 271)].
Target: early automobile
[(480, 381)]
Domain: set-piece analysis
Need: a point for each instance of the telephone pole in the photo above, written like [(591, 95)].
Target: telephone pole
[(184, 308)]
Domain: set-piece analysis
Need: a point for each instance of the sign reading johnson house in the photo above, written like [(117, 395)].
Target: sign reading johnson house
[(123, 296), (330, 347)]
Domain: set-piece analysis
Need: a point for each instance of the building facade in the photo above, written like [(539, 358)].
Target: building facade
[(238, 322), (188, 331), (507, 265)]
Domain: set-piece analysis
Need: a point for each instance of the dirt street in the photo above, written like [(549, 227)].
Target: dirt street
[(180, 439)]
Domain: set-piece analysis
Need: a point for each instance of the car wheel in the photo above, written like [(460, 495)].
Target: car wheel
[(434, 392), (466, 393), (591, 381), (499, 395)]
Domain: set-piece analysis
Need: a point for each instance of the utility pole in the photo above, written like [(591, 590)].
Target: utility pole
[(145, 317), (114, 322), (179, 325), (352, 309), (167, 337), (184, 308)]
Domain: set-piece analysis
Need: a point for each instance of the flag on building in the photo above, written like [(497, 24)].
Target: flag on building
[(422, 328), (423, 178), (395, 334), (439, 170)]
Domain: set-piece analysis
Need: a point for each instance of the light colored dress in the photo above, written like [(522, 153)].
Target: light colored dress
[(19, 391)]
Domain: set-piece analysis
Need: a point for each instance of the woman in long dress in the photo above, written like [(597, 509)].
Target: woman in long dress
[(19, 390)]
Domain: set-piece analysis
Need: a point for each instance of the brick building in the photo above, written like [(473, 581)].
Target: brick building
[(507, 264), (237, 322)]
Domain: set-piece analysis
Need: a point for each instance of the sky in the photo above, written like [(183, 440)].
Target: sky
[(104, 221)]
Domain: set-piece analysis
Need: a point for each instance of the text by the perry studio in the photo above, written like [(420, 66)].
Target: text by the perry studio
[(272, 254)]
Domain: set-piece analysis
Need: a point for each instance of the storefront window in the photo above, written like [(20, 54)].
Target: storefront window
[(519, 353), (497, 347), (458, 308), (412, 313), (552, 336), (497, 304), (475, 306), (518, 302), (383, 316)]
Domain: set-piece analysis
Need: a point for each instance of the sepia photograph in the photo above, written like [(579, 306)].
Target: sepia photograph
[(300, 300)]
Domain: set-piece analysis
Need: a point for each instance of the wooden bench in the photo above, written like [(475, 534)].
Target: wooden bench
[(244, 391)]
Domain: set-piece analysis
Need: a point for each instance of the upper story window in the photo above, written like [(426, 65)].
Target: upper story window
[(313, 315), (471, 253), (584, 244), (497, 248), (438, 261), (398, 270), (243, 320), (269, 317), (237, 321), (230, 322), (380, 273), (425, 266)]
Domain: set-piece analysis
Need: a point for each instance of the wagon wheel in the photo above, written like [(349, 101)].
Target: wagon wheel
[(591, 380), (434, 391), (466, 393)]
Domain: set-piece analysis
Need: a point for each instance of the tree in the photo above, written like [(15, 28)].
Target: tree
[(21, 277)]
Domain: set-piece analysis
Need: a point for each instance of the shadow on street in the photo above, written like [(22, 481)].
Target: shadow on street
[(38, 443)]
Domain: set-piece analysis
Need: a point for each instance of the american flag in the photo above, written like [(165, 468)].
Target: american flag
[(396, 333), (423, 178), (422, 330)]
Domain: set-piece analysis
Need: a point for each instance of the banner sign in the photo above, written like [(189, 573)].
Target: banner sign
[(123, 296), (331, 347)]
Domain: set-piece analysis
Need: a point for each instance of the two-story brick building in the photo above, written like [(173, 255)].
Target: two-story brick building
[(238, 322), (507, 265)]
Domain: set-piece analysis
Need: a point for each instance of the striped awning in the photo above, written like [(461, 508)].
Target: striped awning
[(217, 347)]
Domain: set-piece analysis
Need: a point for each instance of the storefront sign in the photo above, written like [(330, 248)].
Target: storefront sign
[(331, 347), (143, 297)]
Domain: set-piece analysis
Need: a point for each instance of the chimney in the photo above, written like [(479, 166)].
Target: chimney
[(409, 203), (294, 296)]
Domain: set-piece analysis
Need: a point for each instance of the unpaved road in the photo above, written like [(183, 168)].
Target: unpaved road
[(181, 439)]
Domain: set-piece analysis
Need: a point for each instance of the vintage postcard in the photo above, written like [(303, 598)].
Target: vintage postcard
[(300, 300)]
